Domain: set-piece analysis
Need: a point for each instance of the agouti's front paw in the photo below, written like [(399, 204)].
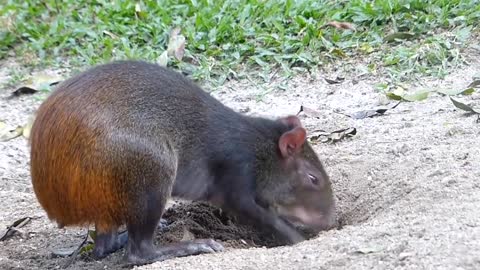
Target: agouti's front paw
[(201, 246)]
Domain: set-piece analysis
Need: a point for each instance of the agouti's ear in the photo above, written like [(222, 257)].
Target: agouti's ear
[(291, 121), (292, 141)]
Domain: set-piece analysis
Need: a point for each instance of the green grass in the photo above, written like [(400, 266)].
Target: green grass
[(237, 38)]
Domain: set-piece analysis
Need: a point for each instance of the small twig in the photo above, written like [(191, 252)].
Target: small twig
[(301, 110), (15, 227), (396, 105), (75, 253), (339, 112)]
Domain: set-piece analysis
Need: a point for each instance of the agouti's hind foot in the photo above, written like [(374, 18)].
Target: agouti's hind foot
[(181, 249), (107, 243)]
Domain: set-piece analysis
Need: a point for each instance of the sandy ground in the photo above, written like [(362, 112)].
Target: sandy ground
[(407, 185)]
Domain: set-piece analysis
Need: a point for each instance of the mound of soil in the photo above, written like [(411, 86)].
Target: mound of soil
[(188, 221), (184, 221)]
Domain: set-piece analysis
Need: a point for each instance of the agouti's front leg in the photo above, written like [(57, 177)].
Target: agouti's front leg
[(248, 207)]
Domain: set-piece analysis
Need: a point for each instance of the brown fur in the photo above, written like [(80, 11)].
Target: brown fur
[(72, 191), (81, 171)]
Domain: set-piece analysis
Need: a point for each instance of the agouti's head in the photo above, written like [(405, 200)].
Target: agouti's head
[(295, 185)]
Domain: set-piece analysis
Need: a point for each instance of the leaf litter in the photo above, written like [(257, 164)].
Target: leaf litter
[(400, 94), (334, 136), (15, 228), (322, 135), (369, 113), (467, 107), (464, 106), (337, 80), (175, 47), (8, 133), (42, 81)]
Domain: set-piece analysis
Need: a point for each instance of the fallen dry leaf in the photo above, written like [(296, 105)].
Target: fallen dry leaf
[(369, 113), (400, 94), (24, 90), (454, 92), (162, 60), (14, 228), (474, 84), (464, 106), (417, 96), (334, 136), (41, 81), (309, 112), (341, 25), (176, 44), (368, 250), (337, 80), (7, 132)]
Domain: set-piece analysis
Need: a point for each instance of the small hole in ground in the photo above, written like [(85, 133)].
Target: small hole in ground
[(360, 200)]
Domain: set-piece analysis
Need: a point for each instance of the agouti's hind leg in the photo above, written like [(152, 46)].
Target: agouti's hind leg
[(140, 247), (108, 242)]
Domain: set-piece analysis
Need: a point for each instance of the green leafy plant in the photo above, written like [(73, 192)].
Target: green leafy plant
[(231, 38)]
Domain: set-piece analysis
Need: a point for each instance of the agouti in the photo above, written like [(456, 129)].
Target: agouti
[(112, 144)]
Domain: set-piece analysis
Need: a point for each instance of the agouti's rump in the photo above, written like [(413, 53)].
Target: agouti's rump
[(112, 144)]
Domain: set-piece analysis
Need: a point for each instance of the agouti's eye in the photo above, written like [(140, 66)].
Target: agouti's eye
[(313, 179)]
